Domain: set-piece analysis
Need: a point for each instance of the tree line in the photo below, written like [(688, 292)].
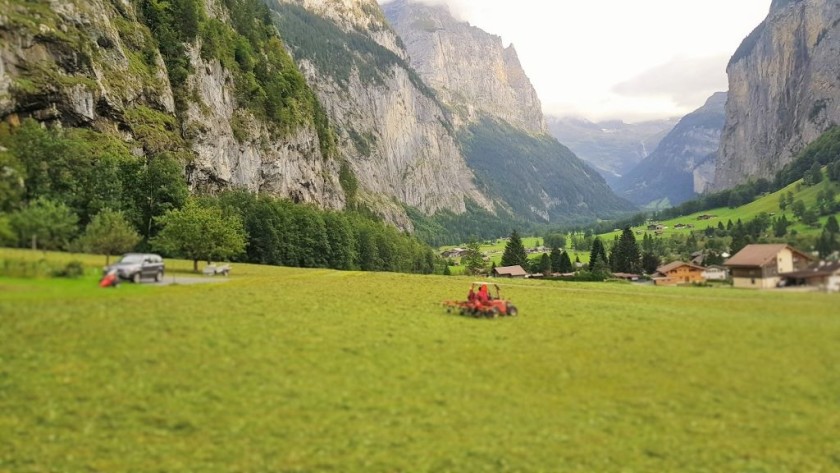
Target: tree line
[(72, 189)]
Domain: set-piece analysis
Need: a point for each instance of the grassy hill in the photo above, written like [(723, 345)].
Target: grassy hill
[(768, 203), (282, 369)]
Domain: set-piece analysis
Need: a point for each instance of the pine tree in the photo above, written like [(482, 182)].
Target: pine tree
[(831, 225), (780, 227), (515, 254), (626, 257), (598, 252), (473, 261), (565, 264), (556, 258), (650, 262), (545, 264)]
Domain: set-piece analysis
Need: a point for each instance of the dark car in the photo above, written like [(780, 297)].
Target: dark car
[(137, 266)]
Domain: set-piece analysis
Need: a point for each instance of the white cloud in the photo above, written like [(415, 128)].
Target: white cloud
[(584, 57)]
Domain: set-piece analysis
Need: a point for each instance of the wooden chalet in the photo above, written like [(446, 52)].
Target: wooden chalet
[(761, 266), (678, 272)]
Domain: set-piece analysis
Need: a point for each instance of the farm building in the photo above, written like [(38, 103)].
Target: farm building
[(822, 275), (510, 272), (761, 266), (678, 272), (454, 253), (715, 273), (627, 276)]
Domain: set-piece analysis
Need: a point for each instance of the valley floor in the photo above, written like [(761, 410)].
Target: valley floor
[(313, 370)]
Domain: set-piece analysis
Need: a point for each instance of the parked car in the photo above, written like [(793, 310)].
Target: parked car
[(136, 266)]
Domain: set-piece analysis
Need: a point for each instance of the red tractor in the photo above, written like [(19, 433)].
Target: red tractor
[(482, 304)]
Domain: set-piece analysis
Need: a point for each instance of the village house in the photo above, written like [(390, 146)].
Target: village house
[(761, 266), (454, 253), (678, 272), (824, 276), (510, 272), (715, 273)]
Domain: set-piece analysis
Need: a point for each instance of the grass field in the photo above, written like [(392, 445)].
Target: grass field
[(313, 370)]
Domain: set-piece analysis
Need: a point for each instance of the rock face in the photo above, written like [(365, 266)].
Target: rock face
[(392, 130), (471, 70), (613, 148), (93, 63), (784, 90), (498, 116), (679, 167)]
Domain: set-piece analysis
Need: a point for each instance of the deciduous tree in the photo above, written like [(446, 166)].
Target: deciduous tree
[(110, 233), (199, 233), (44, 224)]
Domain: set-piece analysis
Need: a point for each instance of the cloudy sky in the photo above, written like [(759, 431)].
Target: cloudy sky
[(626, 59)]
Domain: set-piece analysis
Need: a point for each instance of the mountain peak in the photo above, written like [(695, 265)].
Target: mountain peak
[(487, 78)]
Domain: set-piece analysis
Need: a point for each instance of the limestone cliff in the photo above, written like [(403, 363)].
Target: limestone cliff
[(784, 90), (397, 138), (470, 69), (498, 116), (96, 64)]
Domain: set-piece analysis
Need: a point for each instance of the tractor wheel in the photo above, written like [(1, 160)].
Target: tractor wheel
[(511, 310), (494, 313)]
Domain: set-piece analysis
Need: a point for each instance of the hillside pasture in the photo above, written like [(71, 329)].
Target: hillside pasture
[(316, 370), (768, 204)]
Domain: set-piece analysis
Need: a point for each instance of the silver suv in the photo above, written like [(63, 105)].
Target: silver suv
[(137, 266)]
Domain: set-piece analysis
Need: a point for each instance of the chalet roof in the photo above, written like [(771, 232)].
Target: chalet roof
[(760, 255), (676, 264), (815, 271), (511, 271)]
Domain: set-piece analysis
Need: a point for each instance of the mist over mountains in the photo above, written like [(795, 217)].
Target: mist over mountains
[(613, 147)]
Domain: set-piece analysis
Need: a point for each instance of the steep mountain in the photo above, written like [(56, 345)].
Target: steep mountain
[(499, 121), (203, 83), (470, 70), (398, 140), (536, 176), (612, 147), (678, 168), (784, 90)]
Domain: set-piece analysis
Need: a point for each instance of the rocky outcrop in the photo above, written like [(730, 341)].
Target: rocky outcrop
[(470, 69), (678, 168), (784, 90), (94, 64), (392, 131), (71, 62)]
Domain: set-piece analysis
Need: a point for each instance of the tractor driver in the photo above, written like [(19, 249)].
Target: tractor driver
[(483, 297)]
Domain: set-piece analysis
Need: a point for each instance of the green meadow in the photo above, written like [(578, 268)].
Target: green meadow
[(768, 204), (292, 370)]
